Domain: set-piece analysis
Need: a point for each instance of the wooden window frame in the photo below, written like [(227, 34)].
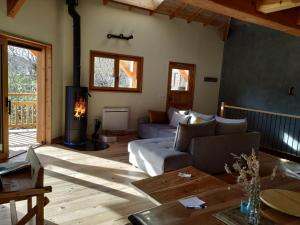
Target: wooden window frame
[(117, 58)]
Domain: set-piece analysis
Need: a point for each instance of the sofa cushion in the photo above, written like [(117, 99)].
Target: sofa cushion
[(171, 111), (230, 126), (157, 156), (195, 116), (158, 117), (179, 118), (154, 130), (185, 133), (196, 120)]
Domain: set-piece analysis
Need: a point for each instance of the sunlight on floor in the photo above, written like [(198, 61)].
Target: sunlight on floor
[(106, 181), (88, 187)]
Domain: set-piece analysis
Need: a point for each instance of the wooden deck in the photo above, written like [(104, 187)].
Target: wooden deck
[(89, 188), (21, 139)]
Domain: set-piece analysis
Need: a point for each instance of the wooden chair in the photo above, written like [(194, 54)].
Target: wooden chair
[(24, 185)]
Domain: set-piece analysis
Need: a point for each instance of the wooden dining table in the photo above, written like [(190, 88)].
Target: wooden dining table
[(219, 199)]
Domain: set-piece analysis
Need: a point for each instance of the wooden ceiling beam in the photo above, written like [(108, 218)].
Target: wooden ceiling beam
[(149, 5), (226, 30), (245, 10), (13, 7), (177, 10), (194, 16), (210, 20), (269, 6), (298, 17)]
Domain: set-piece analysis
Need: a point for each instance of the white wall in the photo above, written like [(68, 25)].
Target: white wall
[(156, 38), (40, 20)]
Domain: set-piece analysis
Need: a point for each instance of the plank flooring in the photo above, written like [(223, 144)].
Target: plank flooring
[(89, 188)]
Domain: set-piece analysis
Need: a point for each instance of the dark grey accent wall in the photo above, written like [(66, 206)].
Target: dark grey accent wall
[(259, 66)]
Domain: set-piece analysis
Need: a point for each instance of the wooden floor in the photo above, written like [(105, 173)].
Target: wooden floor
[(89, 188)]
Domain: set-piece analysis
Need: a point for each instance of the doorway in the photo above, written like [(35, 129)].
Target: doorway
[(25, 94), (22, 97), (181, 84)]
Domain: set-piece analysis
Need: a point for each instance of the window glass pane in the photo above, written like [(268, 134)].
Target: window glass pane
[(128, 74), (104, 69), (180, 80)]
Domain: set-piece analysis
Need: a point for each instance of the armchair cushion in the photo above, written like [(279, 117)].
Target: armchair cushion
[(172, 110), (212, 152), (230, 126), (179, 118), (185, 133), (196, 115)]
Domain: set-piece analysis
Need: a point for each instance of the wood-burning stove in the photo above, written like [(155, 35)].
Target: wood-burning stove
[(76, 115), (76, 96), (76, 111)]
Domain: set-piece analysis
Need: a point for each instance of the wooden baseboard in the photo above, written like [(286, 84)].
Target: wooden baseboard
[(57, 140)]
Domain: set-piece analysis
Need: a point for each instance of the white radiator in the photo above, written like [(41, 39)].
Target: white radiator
[(115, 119)]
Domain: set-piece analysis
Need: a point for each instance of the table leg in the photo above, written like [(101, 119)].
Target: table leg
[(29, 207), (40, 209), (13, 213)]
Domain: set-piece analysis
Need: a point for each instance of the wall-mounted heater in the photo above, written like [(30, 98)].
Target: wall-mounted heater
[(115, 118)]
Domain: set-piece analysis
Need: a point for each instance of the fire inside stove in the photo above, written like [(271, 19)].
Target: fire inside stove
[(80, 108)]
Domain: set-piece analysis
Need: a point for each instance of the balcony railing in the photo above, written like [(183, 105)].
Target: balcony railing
[(23, 111), (279, 132)]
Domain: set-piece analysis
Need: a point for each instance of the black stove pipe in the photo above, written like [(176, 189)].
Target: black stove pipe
[(76, 41)]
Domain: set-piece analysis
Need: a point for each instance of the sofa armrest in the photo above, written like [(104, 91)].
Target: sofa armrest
[(143, 120), (211, 153)]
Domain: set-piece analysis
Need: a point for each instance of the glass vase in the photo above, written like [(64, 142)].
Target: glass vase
[(254, 203)]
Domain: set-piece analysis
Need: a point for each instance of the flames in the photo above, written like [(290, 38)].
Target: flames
[(80, 108)]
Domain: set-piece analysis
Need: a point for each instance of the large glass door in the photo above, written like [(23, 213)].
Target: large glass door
[(4, 102), (23, 71)]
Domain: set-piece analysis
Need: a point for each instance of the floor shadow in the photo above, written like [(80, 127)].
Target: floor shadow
[(109, 153), (122, 209), (6, 221), (91, 185), (97, 171)]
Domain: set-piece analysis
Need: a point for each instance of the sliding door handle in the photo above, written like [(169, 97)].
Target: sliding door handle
[(8, 104)]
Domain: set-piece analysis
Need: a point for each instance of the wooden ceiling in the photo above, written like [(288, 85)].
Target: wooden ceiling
[(180, 9), (143, 4), (285, 19), (282, 15)]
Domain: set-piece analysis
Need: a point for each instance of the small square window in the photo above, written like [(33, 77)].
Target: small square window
[(114, 72)]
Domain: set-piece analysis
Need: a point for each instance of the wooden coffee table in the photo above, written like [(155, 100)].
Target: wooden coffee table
[(170, 187)]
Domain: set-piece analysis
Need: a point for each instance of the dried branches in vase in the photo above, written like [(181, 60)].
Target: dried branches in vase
[(247, 169)]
